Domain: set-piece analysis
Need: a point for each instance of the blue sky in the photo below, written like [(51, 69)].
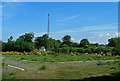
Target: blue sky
[(92, 20)]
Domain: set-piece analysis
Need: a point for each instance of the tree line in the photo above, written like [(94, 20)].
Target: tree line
[(28, 43)]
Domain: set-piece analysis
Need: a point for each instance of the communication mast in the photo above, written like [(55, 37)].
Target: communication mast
[(48, 31)]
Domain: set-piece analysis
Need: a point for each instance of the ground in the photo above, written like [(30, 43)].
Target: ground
[(36, 69)]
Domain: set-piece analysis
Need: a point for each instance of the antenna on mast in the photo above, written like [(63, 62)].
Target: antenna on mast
[(48, 24), (48, 31)]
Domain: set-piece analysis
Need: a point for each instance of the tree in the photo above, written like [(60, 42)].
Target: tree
[(84, 43), (27, 37), (41, 41), (24, 43), (10, 44), (54, 44), (116, 51), (66, 40), (113, 42)]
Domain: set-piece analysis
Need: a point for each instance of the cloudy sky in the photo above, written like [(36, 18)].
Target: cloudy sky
[(96, 21)]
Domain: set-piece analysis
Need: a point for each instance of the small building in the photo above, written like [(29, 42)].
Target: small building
[(42, 49)]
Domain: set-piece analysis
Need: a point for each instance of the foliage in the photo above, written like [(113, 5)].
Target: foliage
[(43, 67), (88, 50), (66, 40), (116, 51), (65, 48), (81, 50), (25, 43), (114, 42), (41, 41), (84, 43)]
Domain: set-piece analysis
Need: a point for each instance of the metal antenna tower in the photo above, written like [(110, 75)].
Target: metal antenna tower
[(48, 31)]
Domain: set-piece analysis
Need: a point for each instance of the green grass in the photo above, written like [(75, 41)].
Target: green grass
[(60, 57), (48, 66), (66, 71)]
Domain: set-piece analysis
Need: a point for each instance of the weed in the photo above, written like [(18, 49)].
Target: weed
[(112, 67), (100, 63), (34, 59), (43, 67), (22, 58), (12, 75)]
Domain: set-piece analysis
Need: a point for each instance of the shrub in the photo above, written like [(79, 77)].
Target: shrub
[(73, 49), (80, 50), (59, 50), (100, 63), (87, 50), (43, 67), (65, 50), (36, 52), (116, 51), (97, 50)]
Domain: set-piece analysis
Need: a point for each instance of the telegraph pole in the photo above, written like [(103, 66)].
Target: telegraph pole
[(48, 31)]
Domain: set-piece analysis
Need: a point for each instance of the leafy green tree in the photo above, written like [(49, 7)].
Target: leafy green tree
[(41, 41), (54, 44), (116, 51), (113, 42), (84, 43), (24, 43), (28, 37), (10, 44), (66, 40)]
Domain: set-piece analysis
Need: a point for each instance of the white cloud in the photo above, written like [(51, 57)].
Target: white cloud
[(93, 29), (108, 34), (36, 34), (100, 33), (69, 18), (72, 39)]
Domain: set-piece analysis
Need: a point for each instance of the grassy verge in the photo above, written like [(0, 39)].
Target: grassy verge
[(61, 57), (65, 71)]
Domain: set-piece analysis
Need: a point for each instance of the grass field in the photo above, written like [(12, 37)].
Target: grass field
[(62, 57), (59, 67)]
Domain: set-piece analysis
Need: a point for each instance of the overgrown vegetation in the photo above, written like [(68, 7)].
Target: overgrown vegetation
[(25, 43), (64, 70), (61, 57)]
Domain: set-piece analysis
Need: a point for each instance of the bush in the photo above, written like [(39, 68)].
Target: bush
[(87, 50), (59, 50), (98, 50), (116, 51), (65, 50), (36, 52), (73, 49), (80, 50), (43, 67), (92, 49), (100, 63)]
